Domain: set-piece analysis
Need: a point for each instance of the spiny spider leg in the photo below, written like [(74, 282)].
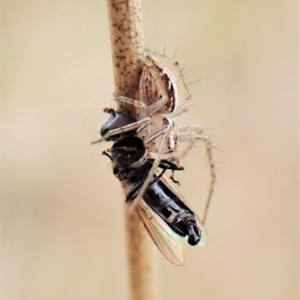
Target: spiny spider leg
[(182, 108), (189, 136), (150, 174), (147, 110), (212, 176), (154, 107), (124, 129), (135, 103), (190, 128), (173, 141), (155, 134), (190, 132), (178, 155), (208, 147)]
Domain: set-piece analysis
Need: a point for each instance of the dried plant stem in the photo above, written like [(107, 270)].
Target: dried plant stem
[(126, 33)]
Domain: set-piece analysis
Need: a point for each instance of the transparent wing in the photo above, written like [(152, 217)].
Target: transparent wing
[(171, 186), (167, 241)]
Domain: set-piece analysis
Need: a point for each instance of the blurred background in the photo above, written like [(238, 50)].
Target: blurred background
[(62, 223)]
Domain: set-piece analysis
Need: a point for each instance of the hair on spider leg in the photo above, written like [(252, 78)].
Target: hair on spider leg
[(194, 82), (174, 55)]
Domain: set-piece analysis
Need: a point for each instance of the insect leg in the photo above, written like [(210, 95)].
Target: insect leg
[(173, 179), (165, 164), (106, 154)]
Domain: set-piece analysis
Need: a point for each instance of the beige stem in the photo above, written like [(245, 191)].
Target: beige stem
[(126, 33)]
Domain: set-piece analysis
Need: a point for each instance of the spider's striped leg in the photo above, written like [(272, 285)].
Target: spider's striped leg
[(212, 177), (190, 131), (145, 110), (123, 129), (182, 108), (208, 147), (133, 102), (172, 139), (150, 174)]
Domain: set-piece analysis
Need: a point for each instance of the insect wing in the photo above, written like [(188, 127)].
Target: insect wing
[(167, 241)]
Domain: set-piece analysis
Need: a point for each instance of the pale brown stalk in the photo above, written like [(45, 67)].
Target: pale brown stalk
[(126, 33)]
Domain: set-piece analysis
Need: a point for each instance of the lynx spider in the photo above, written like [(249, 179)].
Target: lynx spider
[(159, 95)]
